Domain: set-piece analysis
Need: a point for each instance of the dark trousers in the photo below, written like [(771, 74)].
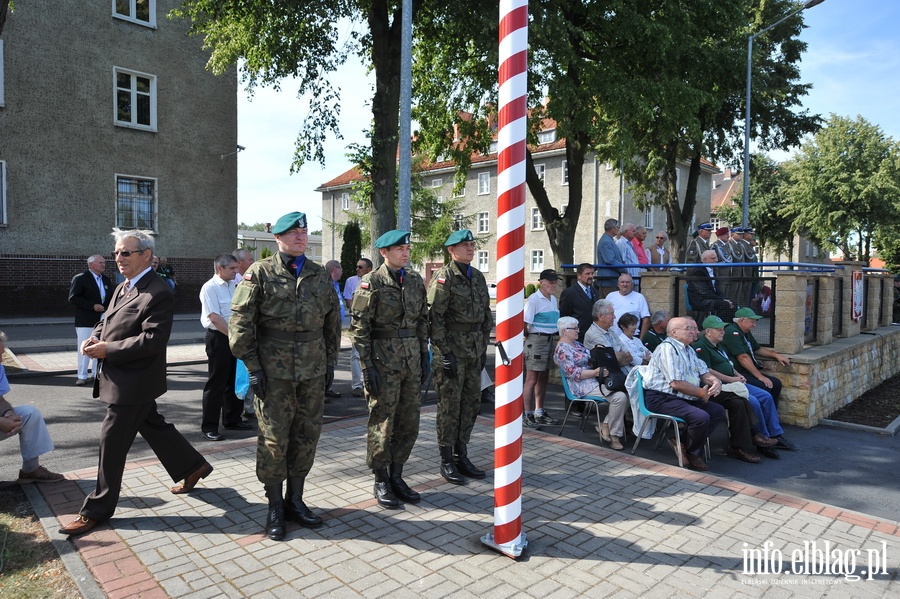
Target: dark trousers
[(218, 392), (740, 419), (701, 418), (776, 385), (117, 433)]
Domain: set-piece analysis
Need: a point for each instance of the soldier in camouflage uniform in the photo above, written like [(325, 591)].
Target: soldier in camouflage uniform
[(389, 329), (459, 312), (285, 325), (699, 244)]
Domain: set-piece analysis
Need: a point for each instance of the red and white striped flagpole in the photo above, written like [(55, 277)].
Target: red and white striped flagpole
[(508, 537)]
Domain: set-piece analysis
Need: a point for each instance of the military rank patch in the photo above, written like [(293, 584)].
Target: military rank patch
[(364, 285), (441, 280)]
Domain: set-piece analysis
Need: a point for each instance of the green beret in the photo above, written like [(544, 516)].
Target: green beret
[(294, 220), (459, 237), (713, 322), (390, 238)]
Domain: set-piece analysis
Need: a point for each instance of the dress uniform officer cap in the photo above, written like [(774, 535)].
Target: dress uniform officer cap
[(737, 229), (390, 238), (293, 220), (705, 227), (459, 237)]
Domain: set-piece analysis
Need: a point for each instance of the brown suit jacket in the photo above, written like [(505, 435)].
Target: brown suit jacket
[(136, 328)]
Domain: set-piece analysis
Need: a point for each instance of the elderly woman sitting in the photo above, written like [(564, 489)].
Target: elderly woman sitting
[(574, 360), (640, 355)]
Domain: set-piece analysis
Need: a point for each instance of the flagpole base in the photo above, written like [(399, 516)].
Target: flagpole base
[(512, 549)]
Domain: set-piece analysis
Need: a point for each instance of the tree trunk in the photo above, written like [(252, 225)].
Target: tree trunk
[(386, 38), (4, 8)]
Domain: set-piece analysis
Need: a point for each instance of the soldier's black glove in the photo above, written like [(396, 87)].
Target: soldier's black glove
[(372, 381), (483, 359), (425, 363), (329, 377), (448, 361), (258, 383)]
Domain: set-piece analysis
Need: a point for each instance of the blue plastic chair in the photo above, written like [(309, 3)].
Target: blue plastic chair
[(592, 402), (673, 421)]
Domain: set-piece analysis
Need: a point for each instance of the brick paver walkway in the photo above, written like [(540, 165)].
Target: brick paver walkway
[(599, 524)]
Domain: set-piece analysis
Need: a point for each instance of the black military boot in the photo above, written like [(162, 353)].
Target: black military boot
[(275, 513), (463, 464), (383, 492), (399, 486), (448, 467), (294, 509)]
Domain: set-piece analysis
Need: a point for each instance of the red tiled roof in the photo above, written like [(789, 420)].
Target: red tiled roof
[(729, 187)]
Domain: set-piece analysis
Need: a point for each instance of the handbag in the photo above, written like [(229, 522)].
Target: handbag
[(615, 381)]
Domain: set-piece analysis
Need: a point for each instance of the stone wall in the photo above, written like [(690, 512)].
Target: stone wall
[(822, 379)]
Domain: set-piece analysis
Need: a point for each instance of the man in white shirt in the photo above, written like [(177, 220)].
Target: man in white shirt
[(626, 299), (541, 315), (218, 392)]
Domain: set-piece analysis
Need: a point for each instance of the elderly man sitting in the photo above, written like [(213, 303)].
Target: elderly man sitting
[(574, 359), (27, 422), (673, 387)]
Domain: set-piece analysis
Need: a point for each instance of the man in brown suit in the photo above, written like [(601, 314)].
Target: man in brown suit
[(131, 346)]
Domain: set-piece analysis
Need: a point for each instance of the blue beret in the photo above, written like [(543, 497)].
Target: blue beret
[(294, 220), (705, 227), (459, 237), (390, 238)]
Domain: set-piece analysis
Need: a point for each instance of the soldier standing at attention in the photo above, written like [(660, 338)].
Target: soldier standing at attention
[(285, 324), (389, 328), (459, 311), (699, 244)]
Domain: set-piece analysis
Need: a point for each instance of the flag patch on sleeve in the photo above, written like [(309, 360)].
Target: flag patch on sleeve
[(364, 285), (441, 280)]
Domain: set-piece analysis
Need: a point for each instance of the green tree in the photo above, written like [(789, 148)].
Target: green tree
[(276, 40), (351, 250), (768, 199), (845, 186), (629, 81), (254, 227)]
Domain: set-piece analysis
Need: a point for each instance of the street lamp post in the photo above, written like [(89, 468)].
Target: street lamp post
[(746, 199)]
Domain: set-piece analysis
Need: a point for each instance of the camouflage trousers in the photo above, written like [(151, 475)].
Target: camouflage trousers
[(393, 417), (290, 422), (459, 399)]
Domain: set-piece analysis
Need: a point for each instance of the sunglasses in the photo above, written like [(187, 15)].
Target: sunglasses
[(358, 267), (126, 253)]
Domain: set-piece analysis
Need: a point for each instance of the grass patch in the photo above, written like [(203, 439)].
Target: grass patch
[(30, 567)]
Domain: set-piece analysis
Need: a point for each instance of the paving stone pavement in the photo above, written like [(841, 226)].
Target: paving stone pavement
[(599, 523)]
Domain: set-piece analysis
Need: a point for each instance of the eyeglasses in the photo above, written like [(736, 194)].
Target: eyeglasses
[(126, 253), (359, 267)]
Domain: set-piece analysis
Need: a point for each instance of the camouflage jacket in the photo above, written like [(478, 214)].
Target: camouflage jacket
[(456, 301), (289, 327), (389, 325)]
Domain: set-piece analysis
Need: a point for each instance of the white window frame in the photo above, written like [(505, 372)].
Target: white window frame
[(547, 136), (537, 260), (537, 221), (154, 207), (493, 147), (439, 199), (565, 172), (482, 260), (2, 101), (484, 223), (131, 17), (484, 183), (541, 170), (152, 95), (345, 200), (437, 182), (648, 218), (3, 219)]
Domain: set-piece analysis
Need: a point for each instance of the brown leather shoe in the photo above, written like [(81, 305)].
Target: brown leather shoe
[(740, 454), (761, 441), (695, 462), (191, 480), (40, 475), (79, 526)]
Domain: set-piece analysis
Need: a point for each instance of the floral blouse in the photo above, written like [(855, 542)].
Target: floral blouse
[(573, 359)]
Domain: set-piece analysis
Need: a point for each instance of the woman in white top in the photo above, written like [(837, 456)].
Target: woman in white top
[(640, 355)]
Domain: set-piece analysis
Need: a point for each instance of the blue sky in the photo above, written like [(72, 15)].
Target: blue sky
[(852, 60)]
